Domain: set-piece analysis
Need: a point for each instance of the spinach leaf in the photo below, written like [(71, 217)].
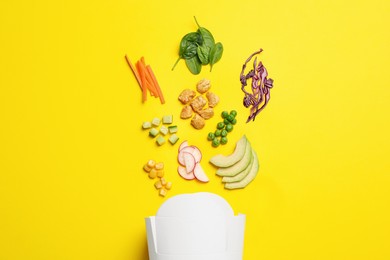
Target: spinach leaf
[(194, 65), (215, 54), (207, 37), (203, 54), (188, 46)]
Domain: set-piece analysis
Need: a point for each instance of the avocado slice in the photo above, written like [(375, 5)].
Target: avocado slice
[(239, 166), (226, 161), (250, 177), (241, 175)]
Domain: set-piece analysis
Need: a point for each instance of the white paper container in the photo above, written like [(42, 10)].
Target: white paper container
[(195, 226)]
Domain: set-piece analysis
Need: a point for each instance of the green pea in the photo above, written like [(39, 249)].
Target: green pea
[(224, 140), (229, 127), (220, 125), (210, 136), (233, 113), (224, 114), (234, 121), (218, 132), (226, 121), (230, 118), (215, 142), (224, 133)]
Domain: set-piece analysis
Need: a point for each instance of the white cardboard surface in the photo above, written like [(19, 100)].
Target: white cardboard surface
[(195, 226)]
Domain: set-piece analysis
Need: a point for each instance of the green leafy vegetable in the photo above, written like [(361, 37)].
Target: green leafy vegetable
[(203, 54), (199, 48), (194, 65), (215, 54)]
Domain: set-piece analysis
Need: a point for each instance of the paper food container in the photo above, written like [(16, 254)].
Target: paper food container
[(195, 226)]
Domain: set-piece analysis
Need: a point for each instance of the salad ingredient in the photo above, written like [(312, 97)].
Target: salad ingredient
[(160, 140), (182, 145), (156, 121), (189, 161), (210, 136), (146, 79), (238, 166), (168, 119), (194, 65), (135, 72), (164, 130), (215, 142), (146, 125), (260, 86), (206, 113), (234, 113), (228, 160), (203, 86), (153, 132), (212, 99), (156, 170), (186, 96), (202, 107), (241, 175), (246, 179), (184, 174), (223, 128), (172, 129), (198, 122), (199, 48), (189, 158), (215, 54), (200, 174), (186, 112), (198, 103), (173, 138)]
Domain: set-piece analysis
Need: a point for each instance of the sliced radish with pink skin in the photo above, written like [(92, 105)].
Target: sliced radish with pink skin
[(184, 174), (182, 145), (187, 149), (189, 161), (196, 153), (200, 174)]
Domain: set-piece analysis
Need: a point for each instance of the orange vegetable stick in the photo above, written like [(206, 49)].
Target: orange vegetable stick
[(143, 80), (134, 72), (148, 79), (156, 85)]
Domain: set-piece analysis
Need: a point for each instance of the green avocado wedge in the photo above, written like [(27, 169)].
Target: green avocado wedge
[(223, 161), (241, 175), (247, 179), (239, 166)]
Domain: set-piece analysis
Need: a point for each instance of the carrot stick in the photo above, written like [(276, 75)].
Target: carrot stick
[(148, 79), (134, 71), (156, 85), (143, 80)]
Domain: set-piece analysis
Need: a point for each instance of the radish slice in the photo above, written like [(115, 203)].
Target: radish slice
[(187, 149), (183, 173), (200, 174), (196, 153), (182, 145), (189, 161)]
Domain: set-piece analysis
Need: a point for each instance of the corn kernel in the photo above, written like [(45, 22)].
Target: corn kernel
[(158, 185), (163, 181), (162, 192), (168, 186), (160, 173), (159, 166), (151, 163), (152, 174), (147, 168)]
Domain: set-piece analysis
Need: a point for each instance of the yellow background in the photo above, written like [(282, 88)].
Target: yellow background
[(72, 150)]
